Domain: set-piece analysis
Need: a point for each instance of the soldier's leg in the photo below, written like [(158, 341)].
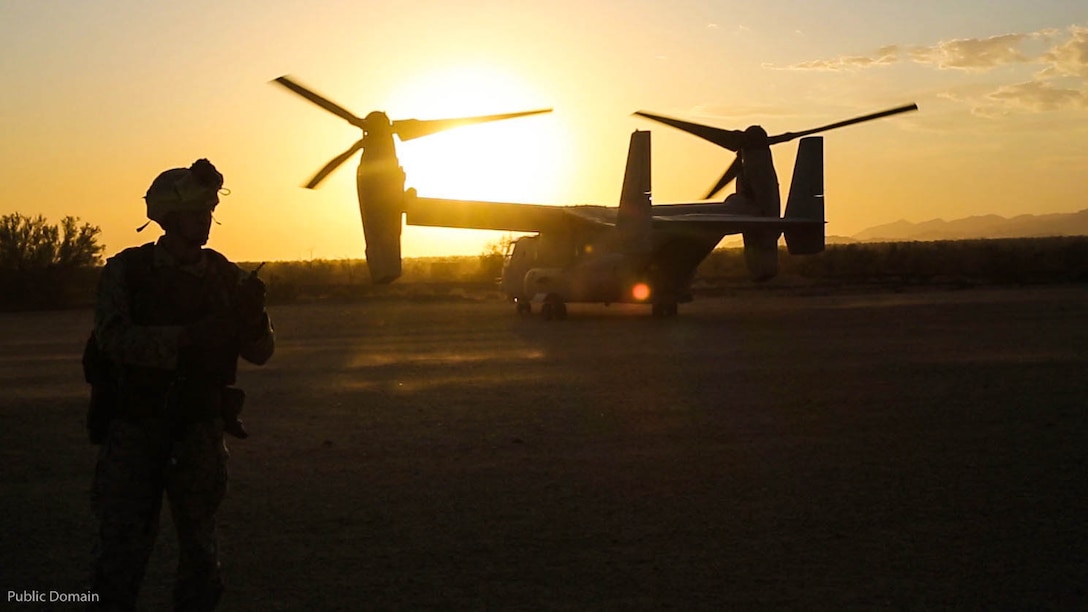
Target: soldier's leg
[(126, 497), (195, 487)]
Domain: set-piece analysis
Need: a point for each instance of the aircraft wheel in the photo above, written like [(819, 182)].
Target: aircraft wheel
[(546, 311), (663, 310), (560, 311)]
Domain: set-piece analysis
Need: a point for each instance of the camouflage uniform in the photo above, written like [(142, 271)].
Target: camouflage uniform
[(168, 433)]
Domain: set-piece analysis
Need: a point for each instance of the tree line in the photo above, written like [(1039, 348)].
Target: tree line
[(32, 243), (1052, 259), (46, 266), (949, 264)]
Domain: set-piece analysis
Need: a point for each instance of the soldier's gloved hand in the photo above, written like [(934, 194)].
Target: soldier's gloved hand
[(251, 298), (213, 331)]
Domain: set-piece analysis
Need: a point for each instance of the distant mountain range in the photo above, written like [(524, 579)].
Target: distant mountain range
[(985, 226)]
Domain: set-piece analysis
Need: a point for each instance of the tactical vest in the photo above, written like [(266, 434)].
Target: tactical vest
[(169, 296)]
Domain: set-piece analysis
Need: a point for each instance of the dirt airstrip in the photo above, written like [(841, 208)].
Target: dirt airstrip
[(869, 450)]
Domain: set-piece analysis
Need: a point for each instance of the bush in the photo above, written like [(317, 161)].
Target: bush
[(46, 266), (28, 244), (493, 258)]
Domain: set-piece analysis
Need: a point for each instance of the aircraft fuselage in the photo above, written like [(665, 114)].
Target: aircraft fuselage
[(572, 269)]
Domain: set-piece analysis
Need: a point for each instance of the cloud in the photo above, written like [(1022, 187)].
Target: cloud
[(1059, 59), (974, 53), (1038, 96), (964, 54), (1069, 58), (882, 57)]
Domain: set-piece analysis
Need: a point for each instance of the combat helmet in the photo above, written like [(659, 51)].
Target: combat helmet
[(180, 189)]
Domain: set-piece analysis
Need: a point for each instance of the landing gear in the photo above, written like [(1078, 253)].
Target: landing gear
[(553, 308), (523, 306), (661, 310)]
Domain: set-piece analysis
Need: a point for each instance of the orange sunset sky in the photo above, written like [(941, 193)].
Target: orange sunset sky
[(99, 97)]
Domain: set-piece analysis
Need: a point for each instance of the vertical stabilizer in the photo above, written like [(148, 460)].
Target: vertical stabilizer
[(635, 216), (806, 200)]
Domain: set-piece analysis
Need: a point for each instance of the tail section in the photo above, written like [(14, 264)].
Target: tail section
[(635, 217), (806, 200)]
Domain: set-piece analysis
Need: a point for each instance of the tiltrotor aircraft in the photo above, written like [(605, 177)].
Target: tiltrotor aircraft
[(638, 252)]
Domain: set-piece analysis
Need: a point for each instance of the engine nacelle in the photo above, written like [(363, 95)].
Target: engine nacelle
[(381, 204)]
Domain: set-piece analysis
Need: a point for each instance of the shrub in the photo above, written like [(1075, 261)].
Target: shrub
[(30, 243)]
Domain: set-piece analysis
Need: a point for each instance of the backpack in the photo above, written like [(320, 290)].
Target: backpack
[(98, 369), (98, 372)]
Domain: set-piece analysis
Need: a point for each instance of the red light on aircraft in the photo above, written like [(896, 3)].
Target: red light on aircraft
[(640, 292)]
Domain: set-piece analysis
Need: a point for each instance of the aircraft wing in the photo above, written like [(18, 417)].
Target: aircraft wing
[(514, 217), (504, 216)]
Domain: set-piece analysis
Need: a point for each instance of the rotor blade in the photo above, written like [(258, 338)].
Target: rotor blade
[(334, 164), (407, 129), (788, 136), (729, 139), (321, 101), (730, 174)]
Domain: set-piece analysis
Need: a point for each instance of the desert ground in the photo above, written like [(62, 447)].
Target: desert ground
[(866, 450)]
